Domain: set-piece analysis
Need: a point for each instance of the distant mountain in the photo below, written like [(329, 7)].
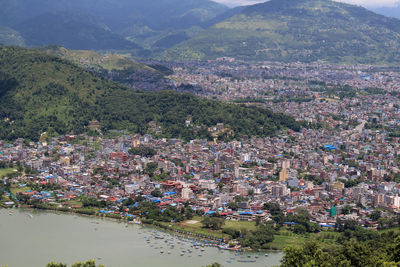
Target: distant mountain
[(9, 36), (72, 30), (298, 30), (141, 21), (393, 12), (43, 93)]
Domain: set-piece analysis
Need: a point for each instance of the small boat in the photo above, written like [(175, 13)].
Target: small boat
[(169, 252), (162, 251), (266, 255)]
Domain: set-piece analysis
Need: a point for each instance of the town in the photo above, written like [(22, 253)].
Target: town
[(342, 164)]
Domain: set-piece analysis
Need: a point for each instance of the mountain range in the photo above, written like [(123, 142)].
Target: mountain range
[(298, 30), (104, 24), (277, 30)]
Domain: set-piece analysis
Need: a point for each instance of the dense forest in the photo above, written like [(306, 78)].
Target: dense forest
[(43, 93)]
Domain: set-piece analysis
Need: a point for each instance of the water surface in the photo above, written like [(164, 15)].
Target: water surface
[(34, 238)]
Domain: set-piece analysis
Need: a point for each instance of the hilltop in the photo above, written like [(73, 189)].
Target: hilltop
[(43, 93), (298, 30), (117, 67)]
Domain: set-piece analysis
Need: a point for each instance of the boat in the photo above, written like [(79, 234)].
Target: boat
[(266, 255), (162, 251), (247, 261)]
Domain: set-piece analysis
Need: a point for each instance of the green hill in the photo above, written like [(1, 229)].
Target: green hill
[(40, 92), (298, 30), (117, 67)]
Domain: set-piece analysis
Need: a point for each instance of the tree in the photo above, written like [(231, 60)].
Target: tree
[(309, 255), (53, 264), (215, 264), (233, 206), (375, 215), (143, 151), (90, 263), (213, 223)]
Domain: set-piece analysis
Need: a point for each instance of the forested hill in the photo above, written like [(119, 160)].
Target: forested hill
[(43, 93), (298, 30)]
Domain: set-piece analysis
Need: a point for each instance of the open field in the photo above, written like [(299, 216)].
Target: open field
[(5, 171)]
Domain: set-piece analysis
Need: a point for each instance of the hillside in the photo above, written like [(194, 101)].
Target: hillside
[(298, 30), (72, 30), (39, 93), (94, 60), (76, 22), (117, 67)]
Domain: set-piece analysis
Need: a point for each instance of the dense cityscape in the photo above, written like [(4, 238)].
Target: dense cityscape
[(343, 165), (200, 133)]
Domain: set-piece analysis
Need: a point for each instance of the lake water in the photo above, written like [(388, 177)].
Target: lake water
[(34, 238)]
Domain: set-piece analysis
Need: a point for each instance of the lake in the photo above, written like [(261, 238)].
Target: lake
[(34, 238)]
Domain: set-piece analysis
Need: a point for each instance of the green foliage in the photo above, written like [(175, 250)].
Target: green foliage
[(42, 93), (215, 264), (53, 264), (309, 255), (258, 238), (151, 212), (213, 223), (90, 263), (143, 151)]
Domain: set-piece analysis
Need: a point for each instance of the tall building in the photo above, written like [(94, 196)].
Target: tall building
[(283, 175)]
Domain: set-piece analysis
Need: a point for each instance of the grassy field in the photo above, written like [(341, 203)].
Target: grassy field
[(5, 171), (17, 190), (282, 239)]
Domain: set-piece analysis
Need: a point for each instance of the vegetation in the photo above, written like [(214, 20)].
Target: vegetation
[(90, 263), (117, 67), (380, 251), (213, 223), (298, 30), (143, 151), (42, 93)]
